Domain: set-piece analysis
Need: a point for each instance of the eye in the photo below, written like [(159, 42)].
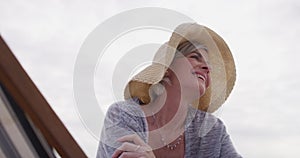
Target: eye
[(196, 56)]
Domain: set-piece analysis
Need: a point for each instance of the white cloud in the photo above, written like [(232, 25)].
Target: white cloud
[(261, 114)]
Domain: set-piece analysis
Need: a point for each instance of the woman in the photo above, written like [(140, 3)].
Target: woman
[(166, 112)]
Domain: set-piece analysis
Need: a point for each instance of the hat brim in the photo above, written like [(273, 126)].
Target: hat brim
[(222, 72)]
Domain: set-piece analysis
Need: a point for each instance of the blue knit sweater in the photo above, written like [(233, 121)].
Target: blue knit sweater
[(205, 135)]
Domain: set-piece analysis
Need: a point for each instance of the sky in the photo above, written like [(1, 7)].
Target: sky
[(261, 114)]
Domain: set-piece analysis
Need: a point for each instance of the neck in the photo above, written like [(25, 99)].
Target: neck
[(170, 110)]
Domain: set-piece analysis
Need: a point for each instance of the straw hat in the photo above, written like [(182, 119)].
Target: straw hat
[(220, 58)]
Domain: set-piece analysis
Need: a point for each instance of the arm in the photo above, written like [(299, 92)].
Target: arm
[(119, 121)]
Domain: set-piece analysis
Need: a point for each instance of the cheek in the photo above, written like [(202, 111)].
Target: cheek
[(183, 72), (180, 75), (180, 67)]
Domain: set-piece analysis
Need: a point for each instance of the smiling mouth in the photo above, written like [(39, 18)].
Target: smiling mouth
[(199, 76)]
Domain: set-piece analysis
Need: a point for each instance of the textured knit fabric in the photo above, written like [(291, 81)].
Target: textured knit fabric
[(205, 135)]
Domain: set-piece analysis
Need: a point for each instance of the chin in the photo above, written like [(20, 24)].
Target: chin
[(196, 93), (201, 91)]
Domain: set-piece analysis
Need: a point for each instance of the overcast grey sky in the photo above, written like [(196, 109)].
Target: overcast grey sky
[(262, 112)]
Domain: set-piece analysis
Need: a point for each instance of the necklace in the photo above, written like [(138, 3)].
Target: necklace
[(162, 138)]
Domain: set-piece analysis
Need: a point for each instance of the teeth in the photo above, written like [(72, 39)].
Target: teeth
[(199, 76)]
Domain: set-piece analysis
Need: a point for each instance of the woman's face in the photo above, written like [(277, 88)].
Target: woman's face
[(191, 73)]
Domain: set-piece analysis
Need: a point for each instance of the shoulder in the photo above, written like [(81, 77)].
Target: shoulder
[(125, 108), (125, 114), (210, 133)]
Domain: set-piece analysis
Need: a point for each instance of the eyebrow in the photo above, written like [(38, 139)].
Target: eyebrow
[(197, 53)]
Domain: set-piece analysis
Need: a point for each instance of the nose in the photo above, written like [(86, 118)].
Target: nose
[(205, 67)]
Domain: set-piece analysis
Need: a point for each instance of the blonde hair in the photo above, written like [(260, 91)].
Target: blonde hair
[(188, 47)]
